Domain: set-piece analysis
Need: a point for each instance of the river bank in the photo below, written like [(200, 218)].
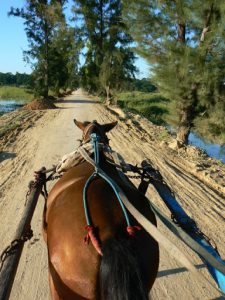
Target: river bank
[(162, 111), (45, 136)]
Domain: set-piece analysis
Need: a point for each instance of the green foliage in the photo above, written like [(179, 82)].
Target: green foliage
[(15, 93), (52, 50), (184, 41), (142, 85), (150, 105), (18, 79), (65, 60), (109, 62), (212, 126), (6, 128)]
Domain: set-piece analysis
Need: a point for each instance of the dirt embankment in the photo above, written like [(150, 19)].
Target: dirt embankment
[(42, 137)]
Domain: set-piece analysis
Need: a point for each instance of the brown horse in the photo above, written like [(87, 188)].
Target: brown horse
[(129, 264)]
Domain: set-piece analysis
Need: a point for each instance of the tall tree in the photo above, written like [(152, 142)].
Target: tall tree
[(65, 49), (42, 19), (183, 40), (109, 60)]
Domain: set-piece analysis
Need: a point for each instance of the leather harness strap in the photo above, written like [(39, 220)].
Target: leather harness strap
[(153, 230)]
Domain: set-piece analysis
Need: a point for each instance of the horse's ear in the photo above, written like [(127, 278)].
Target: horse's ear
[(79, 124), (110, 126)]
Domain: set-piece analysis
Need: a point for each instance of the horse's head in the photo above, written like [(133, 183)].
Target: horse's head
[(94, 127)]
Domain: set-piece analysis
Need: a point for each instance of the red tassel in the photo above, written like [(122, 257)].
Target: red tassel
[(132, 230), (91, 235)]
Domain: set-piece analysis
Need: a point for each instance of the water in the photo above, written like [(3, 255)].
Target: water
[(213, 150), (10, 105)]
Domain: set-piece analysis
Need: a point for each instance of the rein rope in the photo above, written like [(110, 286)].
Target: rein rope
[(92, 231)]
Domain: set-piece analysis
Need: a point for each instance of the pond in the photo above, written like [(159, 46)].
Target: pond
[(10, 105)]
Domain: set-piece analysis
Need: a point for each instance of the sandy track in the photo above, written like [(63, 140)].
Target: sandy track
[(54, 135)]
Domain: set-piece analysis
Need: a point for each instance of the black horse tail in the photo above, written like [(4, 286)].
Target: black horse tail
[(120, 276)]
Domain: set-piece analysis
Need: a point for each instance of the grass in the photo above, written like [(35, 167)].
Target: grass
[(12, 125), (4, 129), (16, 93), (150, 105), (162, 111)]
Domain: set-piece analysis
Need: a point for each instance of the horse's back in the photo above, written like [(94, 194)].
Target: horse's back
[(66, 223), (75, 265)]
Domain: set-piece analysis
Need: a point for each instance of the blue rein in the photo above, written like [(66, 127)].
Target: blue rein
[(100, 173)]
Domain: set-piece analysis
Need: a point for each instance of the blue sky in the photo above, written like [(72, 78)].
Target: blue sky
[(14, 41)]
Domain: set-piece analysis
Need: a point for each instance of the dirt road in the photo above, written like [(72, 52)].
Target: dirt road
[(55, 134)]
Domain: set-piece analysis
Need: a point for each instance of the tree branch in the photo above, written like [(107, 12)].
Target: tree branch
[(181, 32), (207, 23)]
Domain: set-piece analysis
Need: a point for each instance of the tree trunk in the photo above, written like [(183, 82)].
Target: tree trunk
[(184, 127), (108, 95), (181, 32), (101, 27), (187, 115), (207, 22), (46, 63)]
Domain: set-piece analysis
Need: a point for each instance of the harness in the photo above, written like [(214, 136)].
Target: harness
[(188, 231), (99, 173)]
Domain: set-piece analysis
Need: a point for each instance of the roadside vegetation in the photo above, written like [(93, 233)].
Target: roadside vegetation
[(162, 111), (16, 93), (150, 105), (183, 42), (18, 79), (210, 128), (11, 123)]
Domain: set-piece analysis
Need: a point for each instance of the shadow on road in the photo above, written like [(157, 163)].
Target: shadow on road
[(177, 271), (78, 101), (6, 155)]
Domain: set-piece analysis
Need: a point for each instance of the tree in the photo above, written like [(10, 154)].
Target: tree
[(109, 61), (18, 79), (183, 40), (64, 50), (42, 19)]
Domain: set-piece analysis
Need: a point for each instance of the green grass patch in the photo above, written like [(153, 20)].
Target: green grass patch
[(11, 125), (16, 93), (153, 106), (6, 128)]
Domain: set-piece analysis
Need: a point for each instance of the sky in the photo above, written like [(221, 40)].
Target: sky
[(13, 42)]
